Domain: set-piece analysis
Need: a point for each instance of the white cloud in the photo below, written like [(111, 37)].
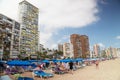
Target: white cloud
[(102, 46), (103, 2), (63, 13), (56, 14), (63, 39), (118, 37)]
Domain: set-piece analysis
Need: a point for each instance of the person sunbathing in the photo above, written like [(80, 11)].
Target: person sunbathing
[(62, 67)]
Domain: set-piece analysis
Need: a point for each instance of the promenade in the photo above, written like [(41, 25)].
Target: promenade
[(108, 70)]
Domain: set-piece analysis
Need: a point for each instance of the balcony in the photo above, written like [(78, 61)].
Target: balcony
[(1, 22), (1, 30), (15, 45)]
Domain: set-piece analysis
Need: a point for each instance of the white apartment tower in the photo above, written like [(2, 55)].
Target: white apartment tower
[(60, 47), (96, 50), (28, 18), (68, 50)]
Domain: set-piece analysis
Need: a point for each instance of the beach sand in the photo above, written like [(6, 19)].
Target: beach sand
[(108, 70)]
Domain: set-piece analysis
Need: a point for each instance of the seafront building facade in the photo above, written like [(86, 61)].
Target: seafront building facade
[(60, 47), (114, 50), (111, 52), (80, 45), (41, 48), (28, 18), (68, 50), (118, 52), (96, 50), (9, 37)]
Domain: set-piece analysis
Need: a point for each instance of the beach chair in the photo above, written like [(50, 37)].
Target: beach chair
[(42, 74), (25, 78), (17, 76), (56, 70), (8, 71)]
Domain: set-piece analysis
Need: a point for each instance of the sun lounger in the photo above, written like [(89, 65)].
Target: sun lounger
[(17, 76), (42, 74), (57, 70), (9, 71), (25, 78)]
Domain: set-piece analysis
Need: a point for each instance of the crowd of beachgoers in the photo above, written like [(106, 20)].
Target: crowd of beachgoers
[(38, 68)]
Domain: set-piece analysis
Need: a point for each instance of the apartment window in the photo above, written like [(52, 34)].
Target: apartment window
[(16, 32), (9, 19), (17, 26), (79, 52)]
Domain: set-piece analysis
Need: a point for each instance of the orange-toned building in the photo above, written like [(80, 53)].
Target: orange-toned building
[(80, 45)]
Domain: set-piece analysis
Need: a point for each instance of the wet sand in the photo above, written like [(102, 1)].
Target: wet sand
[(108, 70)]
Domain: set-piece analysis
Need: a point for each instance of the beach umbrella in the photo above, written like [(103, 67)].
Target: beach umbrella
[(18, 63), (62, 60), (79, 59), (55, 60), (45, 61), (33, 60), (65, 60)]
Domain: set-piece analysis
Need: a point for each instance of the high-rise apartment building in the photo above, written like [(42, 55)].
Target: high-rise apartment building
[(80, 45), (60, 47), (41, 48), (28, 17), (96, 50), (111, 52), (118, 52), (115, 52), (9, 37), (68, 50)]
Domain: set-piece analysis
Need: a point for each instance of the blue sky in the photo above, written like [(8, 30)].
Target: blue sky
[(106, 30), (58, 19)]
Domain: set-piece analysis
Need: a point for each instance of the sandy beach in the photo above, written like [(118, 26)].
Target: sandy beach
[(108, 70)]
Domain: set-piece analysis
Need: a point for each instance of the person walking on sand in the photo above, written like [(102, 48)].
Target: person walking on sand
[(71, 67), (97, 64)]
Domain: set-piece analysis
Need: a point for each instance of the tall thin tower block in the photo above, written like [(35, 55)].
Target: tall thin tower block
[(28, 18)]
